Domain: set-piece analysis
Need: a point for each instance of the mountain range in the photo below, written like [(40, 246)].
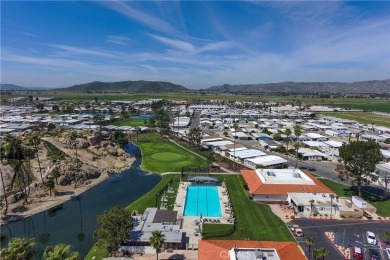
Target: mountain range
[(139, 86), (372, 86), (288, 87)]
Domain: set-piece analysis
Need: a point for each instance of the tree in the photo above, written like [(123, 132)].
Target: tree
[(55, 108), (115, 226), (157, 240), (360, 159), (35, 140), (73, 142), (4, 192), (40, 106), (287, 139), (331, 196), (98, 119), (49, 184), (18, 249), (297, 133), (60, 252), (277, 136), (386, 236), (322, 252), (311, 206), (55, 173), (195, 136), (309, 242)]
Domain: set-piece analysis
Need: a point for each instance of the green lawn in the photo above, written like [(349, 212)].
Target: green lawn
[(362, 117), (372, 105), (383, 206), (131, 122), (160, 156), (254, 221), (96, 253)]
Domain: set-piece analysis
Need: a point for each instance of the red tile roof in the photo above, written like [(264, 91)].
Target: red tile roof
[(219, 249), (256, 186)]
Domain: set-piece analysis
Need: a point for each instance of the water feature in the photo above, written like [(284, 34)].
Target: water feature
[(74, 221)]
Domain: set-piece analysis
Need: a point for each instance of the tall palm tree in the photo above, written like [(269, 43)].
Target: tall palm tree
[(35, 140), (157, 240), (331, 196), (73, 142), (235, 126), (4, 192), (297, 133), (287, 139), (60, 252), (18, 249), (309, 242), (311, 206), (50, 184)]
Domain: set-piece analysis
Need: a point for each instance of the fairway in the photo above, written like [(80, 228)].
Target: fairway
[(167, 157), (160, 156)]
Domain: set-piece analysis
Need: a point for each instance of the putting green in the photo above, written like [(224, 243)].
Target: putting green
[(167, 156)]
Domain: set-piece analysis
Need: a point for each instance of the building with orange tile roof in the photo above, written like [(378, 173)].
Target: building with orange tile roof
[(242, 249), (273, 185)]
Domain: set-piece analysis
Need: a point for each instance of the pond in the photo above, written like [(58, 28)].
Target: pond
[(74, 221)]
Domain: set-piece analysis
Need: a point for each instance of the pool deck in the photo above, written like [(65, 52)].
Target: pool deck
[(190, 224)]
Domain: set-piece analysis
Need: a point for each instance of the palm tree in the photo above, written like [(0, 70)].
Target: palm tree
[(35, 140), (18, 249), (49, 184), (297, 133), (311, 206), (386, 236), (309, 242), (316, 253), (55, 173), (331, 196), (73, 141), (323, 252), (4, 192), (157, 240), (288, 134), (60, 252), (235, 126)]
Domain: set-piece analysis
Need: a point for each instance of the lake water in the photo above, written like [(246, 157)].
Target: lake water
[(75, 222)]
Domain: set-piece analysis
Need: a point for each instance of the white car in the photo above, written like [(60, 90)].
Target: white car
[(371, 238), (388, 252)]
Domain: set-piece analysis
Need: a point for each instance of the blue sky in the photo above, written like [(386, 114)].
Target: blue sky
[(195, 44)]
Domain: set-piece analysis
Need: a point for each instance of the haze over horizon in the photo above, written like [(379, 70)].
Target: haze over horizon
[(194, 44)]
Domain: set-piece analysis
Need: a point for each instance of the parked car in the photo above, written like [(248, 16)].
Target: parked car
[(371, 238), (297, 231), (388, 252), (374, 254), (357, 252)]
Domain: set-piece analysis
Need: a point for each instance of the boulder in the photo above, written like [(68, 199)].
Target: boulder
[(82, 143), (120, 152), (111, 151), (104, 143), (93, 140)]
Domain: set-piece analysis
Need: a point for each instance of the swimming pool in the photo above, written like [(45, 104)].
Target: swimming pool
[(202, 199)]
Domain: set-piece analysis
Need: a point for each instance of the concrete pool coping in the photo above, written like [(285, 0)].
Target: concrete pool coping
[(189, 225)]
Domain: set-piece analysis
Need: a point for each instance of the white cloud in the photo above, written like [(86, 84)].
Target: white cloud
[(76, 51), (150, 21), (177, 44), (117, 39)]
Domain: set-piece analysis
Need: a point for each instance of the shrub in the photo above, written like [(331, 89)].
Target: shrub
[(292, 217)]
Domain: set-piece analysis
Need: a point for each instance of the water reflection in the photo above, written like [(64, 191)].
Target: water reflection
[(74, 221)]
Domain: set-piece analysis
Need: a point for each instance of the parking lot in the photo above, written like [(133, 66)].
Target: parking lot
[(349, 233)]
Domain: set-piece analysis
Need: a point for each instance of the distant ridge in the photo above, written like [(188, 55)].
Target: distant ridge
[(372, 86), (12, 87), (139, 86)]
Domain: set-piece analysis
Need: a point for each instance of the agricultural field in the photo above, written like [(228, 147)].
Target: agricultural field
[(362, 117), (369, 106)]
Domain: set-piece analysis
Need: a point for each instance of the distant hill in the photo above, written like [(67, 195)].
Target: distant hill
[(12, 87), (127, 86), (372, 86)]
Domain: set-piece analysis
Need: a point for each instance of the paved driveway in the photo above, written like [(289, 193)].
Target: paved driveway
[(349, 233)]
